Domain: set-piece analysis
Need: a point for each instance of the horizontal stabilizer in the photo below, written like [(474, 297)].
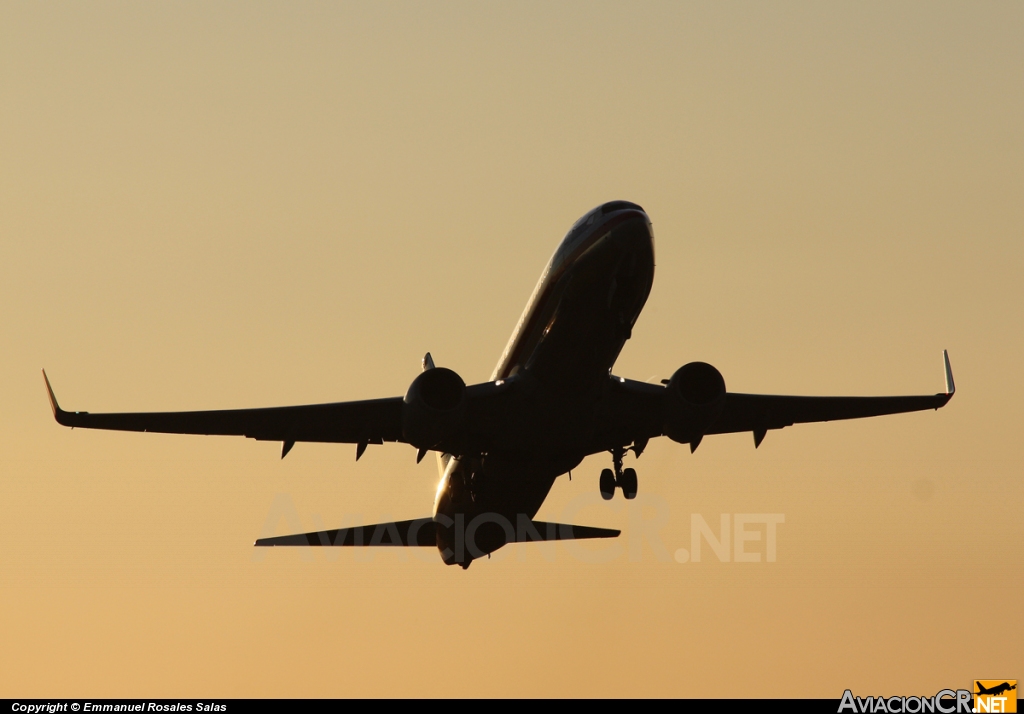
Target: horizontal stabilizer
[(533, 531), (423, 532), (419, 531)]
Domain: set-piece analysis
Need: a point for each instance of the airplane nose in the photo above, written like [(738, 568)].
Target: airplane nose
[(635, 232), (612, 206)]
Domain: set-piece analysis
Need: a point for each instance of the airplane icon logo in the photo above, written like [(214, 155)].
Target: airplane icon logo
[(993, 695)]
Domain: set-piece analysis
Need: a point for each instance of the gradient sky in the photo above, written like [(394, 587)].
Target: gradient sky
[(216, 205)]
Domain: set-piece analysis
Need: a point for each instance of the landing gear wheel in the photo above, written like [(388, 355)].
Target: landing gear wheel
[(628, 483), (607, 484)]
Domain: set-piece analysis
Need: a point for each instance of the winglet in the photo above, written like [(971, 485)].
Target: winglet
[(57, 411), (950, 387)]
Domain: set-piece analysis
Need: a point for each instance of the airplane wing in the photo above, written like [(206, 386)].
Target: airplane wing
[(758, 413), (372, 421)]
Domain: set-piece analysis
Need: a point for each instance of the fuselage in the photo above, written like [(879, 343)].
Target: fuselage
[(556, 370)]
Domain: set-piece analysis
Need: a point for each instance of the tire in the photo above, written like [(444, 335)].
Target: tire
[(607, 484), (629, 483)]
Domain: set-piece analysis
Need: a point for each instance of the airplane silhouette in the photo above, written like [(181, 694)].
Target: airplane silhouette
[(551, 401), (996, 690)]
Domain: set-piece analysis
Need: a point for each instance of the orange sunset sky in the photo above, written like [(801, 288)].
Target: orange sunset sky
[(242, 204)]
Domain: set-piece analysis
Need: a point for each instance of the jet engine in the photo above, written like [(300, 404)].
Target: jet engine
[(696, 396), (434, 408)]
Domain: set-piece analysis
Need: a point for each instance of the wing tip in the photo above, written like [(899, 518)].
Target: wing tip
[(57, 411), (950, 385)]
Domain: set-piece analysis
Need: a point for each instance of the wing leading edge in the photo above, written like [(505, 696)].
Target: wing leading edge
[(372, 421)]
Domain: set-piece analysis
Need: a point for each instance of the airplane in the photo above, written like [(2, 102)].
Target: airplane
[(996, 690), (551, 401)]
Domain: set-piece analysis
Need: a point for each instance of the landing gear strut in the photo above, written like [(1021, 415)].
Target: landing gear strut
[(622, 478)]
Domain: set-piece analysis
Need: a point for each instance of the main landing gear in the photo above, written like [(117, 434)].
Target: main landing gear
[(620, 477)]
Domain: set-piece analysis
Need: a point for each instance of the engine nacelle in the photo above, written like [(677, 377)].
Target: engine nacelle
[(434, 408), (696, 396)]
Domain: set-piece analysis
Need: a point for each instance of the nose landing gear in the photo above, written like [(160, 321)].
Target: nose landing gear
[(621, 478)]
